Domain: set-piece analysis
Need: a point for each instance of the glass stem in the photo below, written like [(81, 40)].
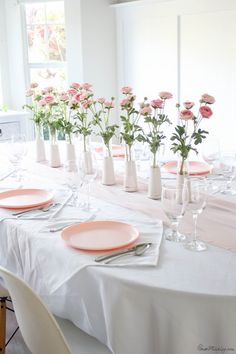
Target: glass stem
[(228, 185), (174, 226), (195, 217)]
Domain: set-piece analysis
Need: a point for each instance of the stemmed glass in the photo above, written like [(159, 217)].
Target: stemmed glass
[(197, 191), (228, 169), (174, 200), (72, 179), (16, 152), (88, 169)]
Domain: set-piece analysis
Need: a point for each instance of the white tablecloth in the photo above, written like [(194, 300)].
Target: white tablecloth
[(184, 305)]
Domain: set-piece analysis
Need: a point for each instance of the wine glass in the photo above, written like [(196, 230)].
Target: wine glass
[(174, 200), (228, 169), (72, 179), (88, 169), (16, 152), (197, 191)]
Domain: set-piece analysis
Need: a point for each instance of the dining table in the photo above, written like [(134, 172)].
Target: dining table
[(169, 300)]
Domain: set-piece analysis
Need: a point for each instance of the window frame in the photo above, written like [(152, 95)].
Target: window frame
[(43, 65)]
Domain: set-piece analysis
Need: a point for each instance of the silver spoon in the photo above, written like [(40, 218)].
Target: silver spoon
[(137, 252)]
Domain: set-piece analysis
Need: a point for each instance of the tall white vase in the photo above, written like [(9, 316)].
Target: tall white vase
[(87, 162), (130, 177), (108, 175), (55, 160), (39, 146), (154, 184), (70, 152)]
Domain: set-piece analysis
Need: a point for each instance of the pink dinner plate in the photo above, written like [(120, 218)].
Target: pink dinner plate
[(99, 235), (24, 198), (196, 168), (117, 150)]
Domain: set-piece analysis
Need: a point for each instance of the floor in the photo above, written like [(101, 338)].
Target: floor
[(16, 345)]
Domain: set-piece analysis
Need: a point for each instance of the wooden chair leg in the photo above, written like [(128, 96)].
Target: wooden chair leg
[(2, 325)]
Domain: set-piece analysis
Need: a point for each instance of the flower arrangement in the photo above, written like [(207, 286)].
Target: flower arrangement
[(101, 119), (81, 102), (129, 120), (154, 117), (186, 136)]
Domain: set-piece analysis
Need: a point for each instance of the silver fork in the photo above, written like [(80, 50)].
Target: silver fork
[(44, 209)]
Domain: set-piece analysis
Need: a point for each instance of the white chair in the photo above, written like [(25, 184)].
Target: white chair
[(41, 331)]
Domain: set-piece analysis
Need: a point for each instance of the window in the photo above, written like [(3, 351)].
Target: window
[(46, 43)]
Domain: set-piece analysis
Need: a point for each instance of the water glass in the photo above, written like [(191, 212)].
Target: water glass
[(228, 170), (174, 200), (197, 191)]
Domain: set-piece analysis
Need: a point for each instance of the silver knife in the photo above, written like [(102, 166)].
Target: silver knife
[(117, 253)]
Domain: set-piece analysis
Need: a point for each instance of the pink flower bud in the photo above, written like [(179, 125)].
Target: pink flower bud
[(188, 104), (33, 85), (75, 85), (165, 95), (29, 92), (207, 98), (126, 90)]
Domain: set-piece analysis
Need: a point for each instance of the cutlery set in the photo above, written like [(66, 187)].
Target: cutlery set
[(137, 250)]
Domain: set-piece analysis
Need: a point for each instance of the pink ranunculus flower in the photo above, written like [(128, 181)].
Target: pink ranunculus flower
[(186, 114), (157, 103), (49, 99), (29, 92), (77, 97), (64, 97), (33, 85), (188, 104), (125, 102), (205, 111), (126, 90), (42, 102), (49, 89), (207, 98), (101, 100), (75, 85), (86, 86), (164, 95), (109, 104), (145, 111), (87, 103), (72, 92), (86, 95)]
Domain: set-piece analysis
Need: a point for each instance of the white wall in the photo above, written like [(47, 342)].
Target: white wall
[(185, 46), (99, 46)]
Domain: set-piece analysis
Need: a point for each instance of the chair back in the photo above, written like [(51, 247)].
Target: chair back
[(38, 327)]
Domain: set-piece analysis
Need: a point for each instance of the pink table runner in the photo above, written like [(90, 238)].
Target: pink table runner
[(216, 225)]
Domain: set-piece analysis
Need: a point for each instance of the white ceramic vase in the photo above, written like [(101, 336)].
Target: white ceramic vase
[(87, 162), (70, 152), (130, 177), (55, 160), (108, 175), (39, 146), (154, 184)]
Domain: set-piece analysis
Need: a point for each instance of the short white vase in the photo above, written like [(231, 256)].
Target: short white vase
[(108, 175), (130, 177), (154, 184)]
